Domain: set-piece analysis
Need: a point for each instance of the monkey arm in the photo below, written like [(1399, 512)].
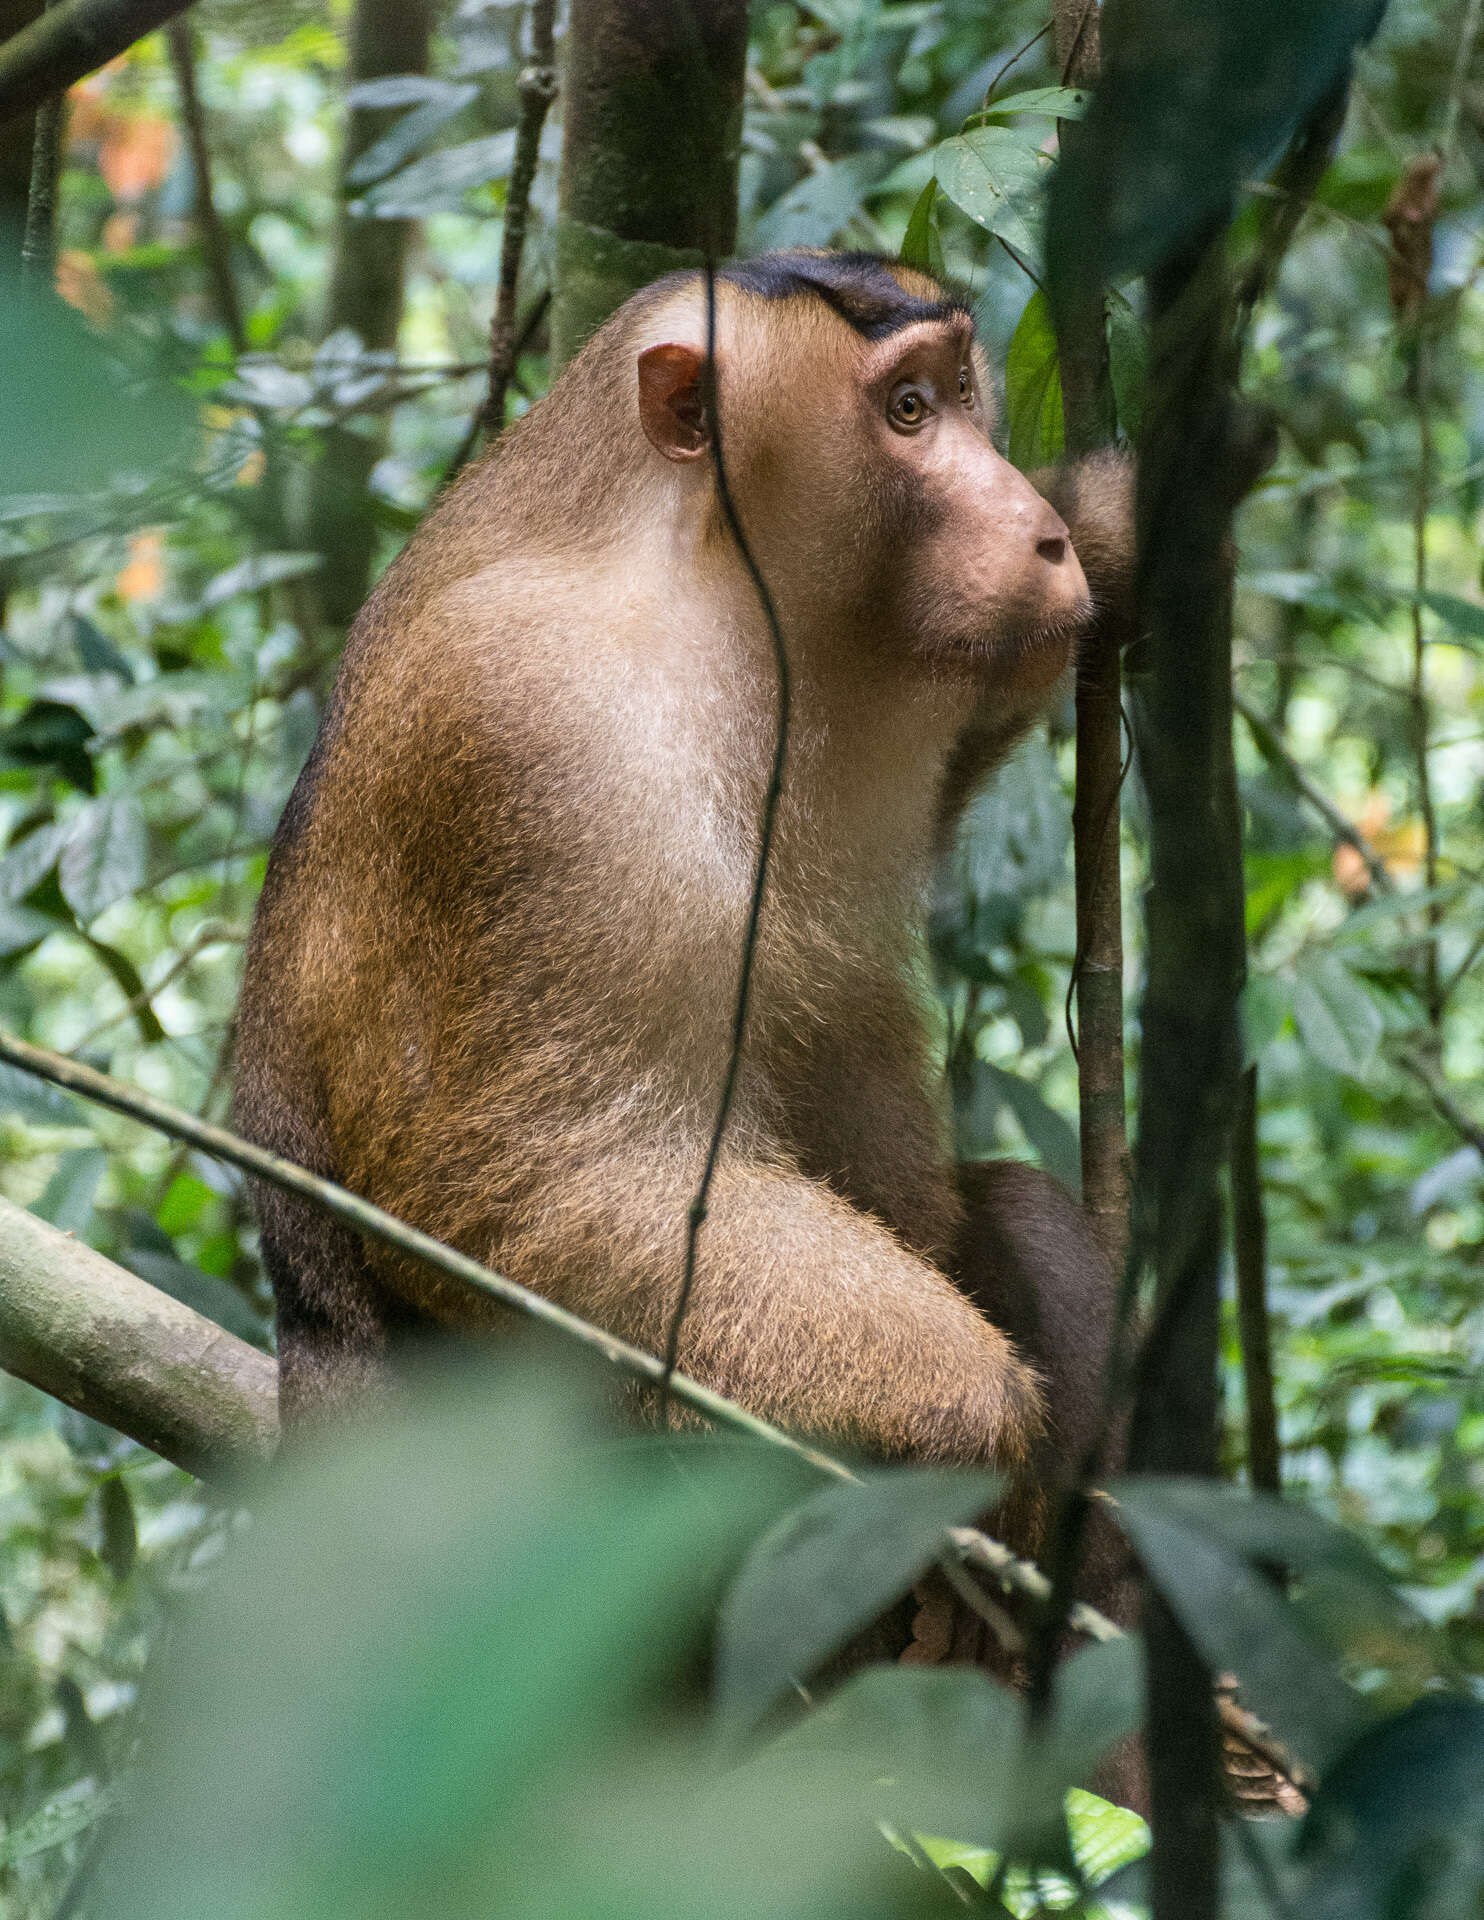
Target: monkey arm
[(804, 1309)]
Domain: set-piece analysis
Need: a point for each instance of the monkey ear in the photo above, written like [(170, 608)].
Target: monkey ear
[(671, 410)]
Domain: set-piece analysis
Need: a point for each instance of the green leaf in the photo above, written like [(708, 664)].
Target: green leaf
[(258, 571), (816, 209), (988, 1089), (921, 245), (1183, 1533), (1265, 1011), (830, 1567), (1397, 1825), (29, 861), (1064, 103), (1033, 390), (1128, 362), (1194, 96), (929, 1749), (438, 183), (1338, 1018), (67, 1199), (1464, 617), (51, 734), (73, 414), (119, 1548), (59, 1820), (412, 131), (458, 1659), (1097, 1699), (97, 652), (995, 176), (104, 858), (36, 1101)]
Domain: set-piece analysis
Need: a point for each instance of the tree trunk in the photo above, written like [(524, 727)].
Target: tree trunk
[(652, 132), (366, 279)]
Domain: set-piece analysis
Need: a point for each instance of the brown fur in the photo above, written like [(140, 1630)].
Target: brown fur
[(491, 978)]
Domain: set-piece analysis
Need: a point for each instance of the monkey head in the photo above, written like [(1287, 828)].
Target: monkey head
[(855, 423)]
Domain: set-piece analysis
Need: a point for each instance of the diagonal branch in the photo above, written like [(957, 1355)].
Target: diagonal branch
[(70, 40)]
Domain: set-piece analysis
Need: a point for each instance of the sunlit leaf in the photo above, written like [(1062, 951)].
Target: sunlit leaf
[(1033, 399), (412, 131), (994, 174), (1065, 103), (258, 571), (922, 246)]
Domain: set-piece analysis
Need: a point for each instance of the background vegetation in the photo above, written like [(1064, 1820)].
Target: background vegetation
[(170, 636)]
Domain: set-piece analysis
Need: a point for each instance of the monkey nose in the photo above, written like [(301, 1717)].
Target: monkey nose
[(1053, 541)]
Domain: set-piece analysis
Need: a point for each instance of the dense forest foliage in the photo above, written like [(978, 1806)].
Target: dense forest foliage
[(203, 473)]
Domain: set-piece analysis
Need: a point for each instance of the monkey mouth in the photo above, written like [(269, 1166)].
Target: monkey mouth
[(1022, 650)]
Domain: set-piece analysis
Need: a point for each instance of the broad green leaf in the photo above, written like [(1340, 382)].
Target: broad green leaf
[(827, 1569), (994, 174), (104, 858), (1465, 618), (29, 861), (978, 1097), (453, 1657), (438, 183), (1104, 1837), (399, 90), (819, 206), (119, 1547), (1128, 362), (67, 1198), (1033, 399), (1097, 1699), (258, 571), (1396, 1828), (1193, 97), (921, 245), (58, 1821), (38, 1102), (1065, 103), (1337, 1017), (1236, 1617), (412, 131), (51, 733), (73, 413), (22, 927), (930, 1749), (97, 652), (1265, 1011)]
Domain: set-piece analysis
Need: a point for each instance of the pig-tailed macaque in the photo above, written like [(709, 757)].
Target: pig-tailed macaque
[(492, 977)]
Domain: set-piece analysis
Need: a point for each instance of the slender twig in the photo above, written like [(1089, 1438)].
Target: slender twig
[(1278, 756), (538, 88), (211, 935), (767, 826), (1014, 61), (39, 242), (1430, 1077), (1419, 711), (216, 247)]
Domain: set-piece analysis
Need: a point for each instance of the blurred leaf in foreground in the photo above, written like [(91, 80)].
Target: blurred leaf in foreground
[(73, 415)]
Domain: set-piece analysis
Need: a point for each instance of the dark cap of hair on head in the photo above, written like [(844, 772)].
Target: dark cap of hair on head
[(860, 287)]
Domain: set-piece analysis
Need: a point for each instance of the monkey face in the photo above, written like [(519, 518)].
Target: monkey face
[(857, 442), (984, 574)]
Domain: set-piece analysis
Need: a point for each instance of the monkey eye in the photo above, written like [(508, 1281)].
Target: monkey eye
[(909, 409), (965, 387)]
